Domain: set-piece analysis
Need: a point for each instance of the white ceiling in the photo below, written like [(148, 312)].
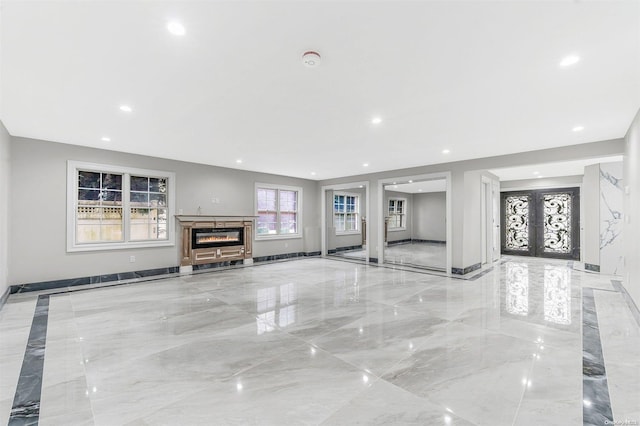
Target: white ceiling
[(478, 78), (565, 168), (438, 185)]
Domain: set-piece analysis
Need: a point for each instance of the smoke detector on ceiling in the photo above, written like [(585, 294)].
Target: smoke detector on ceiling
[(311, 59)]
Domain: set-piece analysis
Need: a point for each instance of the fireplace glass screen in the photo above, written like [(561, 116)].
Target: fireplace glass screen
[(212, 237)]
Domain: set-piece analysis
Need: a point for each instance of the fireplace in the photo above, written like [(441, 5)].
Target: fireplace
[(215, 239), (212, 237)]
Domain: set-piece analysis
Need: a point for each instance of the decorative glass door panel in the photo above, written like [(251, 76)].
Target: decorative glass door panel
[(542, 223), (557, 222), (517, 222)]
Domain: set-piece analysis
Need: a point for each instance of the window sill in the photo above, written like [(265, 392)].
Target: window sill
[(396, 229), (119, 246), (277, 237), (348, 233)]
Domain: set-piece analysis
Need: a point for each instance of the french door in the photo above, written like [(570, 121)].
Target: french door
[(541, 223)]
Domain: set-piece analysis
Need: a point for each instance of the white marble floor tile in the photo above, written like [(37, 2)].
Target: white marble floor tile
[(620, 337), (386, 404), (428, 255), (380, 339), (302, 386)]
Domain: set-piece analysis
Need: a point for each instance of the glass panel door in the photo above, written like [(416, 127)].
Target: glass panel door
[(542, 223)]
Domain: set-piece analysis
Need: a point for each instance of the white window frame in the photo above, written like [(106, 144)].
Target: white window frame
[(404, 214), (357, 213), (278, 236), (73, 167)]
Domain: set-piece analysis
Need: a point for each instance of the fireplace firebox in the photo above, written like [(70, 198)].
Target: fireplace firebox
[(212, 237)]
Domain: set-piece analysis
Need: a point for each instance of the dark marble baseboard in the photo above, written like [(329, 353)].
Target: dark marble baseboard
[(405, 241), (4, 297), (591, 267), (461, 271), (285, 256), (373, 259), (417, 240), (414, 240), (345, 248), (206, 266), (627, 297), (96, 279)]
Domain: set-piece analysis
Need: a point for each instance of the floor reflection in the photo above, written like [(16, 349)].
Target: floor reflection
[(517, 297), (539, 293), (271, 311), (557, 294), (418, 254)]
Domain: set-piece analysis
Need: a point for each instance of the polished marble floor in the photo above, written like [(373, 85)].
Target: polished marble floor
[(420, 255), (327, 342)]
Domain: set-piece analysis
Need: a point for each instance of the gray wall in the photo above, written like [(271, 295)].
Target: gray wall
[(38, 210), (541, 183), (429, 216), (631, 228), (5, 179), (399, 235)]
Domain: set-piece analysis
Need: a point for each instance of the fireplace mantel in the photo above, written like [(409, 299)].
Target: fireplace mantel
[(229, 250)]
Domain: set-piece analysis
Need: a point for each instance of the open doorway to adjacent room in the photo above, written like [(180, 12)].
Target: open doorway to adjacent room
[(344, 221), (415, 223)]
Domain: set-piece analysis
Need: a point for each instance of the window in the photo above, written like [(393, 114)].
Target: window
[(277, 208), (111, 207), (346, 208), (397, 215)]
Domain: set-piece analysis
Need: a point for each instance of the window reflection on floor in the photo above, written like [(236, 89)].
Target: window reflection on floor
[(268, 307), (557, 294), (517, 297)]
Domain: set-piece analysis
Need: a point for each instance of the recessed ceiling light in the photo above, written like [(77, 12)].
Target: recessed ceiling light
[(376, 120), (567, 61), (578, 128), (445, 151), (365, 165), (539, 176), (410, 181), (536, 173), (313, 173), (238, 161), (126, 108), (419, 190), (176, 28), (361, 186), (394, 183), (105, 139)]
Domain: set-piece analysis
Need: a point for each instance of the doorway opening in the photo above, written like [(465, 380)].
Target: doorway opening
[(415, 223), (344, 221)]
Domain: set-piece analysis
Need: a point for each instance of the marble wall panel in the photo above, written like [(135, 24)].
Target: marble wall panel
[(611, 218)]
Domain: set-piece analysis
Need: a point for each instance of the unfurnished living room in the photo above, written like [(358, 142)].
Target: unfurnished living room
[(319, 212)]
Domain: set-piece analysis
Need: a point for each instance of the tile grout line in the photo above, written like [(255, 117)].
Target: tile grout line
[(596, 402), (633, 308), (26, 403)]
